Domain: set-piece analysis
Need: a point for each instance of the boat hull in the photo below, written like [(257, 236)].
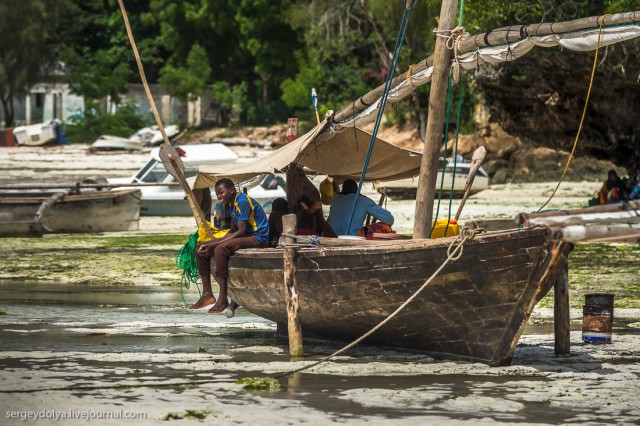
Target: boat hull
[(97, 211), (475, 309)]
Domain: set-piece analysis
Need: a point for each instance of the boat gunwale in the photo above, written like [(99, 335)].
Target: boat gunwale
[(393, 245)]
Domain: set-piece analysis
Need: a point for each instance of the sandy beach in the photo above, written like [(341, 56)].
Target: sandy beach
[(86, 339)]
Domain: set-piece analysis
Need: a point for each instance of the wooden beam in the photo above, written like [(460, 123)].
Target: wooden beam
[(578, 233), (290, 255), (435, 123), (628, 212), (71, 185), (561, 320)]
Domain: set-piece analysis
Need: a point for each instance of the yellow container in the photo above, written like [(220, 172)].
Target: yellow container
[(441, 225)]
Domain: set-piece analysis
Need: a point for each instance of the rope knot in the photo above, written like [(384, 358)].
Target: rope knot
[(454, 251)]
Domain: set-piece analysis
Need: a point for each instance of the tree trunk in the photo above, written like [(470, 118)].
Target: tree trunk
[(265, 87), (7, 108)]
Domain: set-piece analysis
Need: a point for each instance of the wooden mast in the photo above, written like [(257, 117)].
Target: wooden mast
[(435, 123)]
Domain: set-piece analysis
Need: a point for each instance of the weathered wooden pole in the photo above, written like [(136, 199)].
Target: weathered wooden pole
[(561, 321), (168, 155), (291, 288), (435, 123)]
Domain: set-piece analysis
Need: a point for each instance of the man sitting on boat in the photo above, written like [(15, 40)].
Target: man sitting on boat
[(342, 206), (249, 229), (310, 220)]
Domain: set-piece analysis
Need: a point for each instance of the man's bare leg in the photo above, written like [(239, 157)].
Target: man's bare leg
[(222, 302), (204, 268)]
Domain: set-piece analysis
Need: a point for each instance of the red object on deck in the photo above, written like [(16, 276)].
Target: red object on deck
[(7, 138), (292, 129)]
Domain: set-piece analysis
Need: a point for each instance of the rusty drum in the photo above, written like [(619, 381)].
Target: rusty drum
[(597, 319)]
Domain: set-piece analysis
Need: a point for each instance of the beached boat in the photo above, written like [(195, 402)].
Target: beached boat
[(477, 307), (115, 143), (35, 134), (453, 178), (169, 200), (37, 212)]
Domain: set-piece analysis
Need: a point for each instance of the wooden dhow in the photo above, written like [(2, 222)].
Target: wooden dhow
[(475, 308)]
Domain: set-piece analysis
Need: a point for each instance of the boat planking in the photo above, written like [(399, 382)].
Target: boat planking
[(475, 309)]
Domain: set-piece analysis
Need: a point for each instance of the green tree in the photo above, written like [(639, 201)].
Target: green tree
[(28, 36), (97, 53), (187, 83)]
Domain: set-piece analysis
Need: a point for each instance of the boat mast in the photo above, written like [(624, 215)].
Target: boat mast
[(435, 123)]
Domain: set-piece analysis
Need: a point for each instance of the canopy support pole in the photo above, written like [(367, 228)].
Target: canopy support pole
[(435, 123)]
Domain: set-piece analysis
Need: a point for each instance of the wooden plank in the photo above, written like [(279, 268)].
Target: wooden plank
[(73, 185), (561, 314)]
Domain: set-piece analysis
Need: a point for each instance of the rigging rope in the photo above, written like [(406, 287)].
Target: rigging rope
[(584, 113), (404, 24), (454, 252)]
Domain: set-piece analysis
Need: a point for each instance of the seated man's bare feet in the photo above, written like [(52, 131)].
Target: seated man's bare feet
[(219, 307), (205, 300)]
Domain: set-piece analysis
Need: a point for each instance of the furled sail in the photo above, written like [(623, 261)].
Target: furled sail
[(500, 45)]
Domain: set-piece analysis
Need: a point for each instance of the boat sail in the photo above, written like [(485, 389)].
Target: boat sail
[(476, 308)]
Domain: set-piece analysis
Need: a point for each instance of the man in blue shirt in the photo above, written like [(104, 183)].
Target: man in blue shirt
[(342, 206), (249, 229)]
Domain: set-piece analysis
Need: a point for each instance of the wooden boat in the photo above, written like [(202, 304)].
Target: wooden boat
[(29, 213), (477, 307)]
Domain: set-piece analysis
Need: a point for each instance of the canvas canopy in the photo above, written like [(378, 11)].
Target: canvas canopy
[(340, 155)]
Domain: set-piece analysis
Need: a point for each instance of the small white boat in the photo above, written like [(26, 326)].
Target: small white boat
[(35, 134), (114, 143), (165, 200), (406, 188)]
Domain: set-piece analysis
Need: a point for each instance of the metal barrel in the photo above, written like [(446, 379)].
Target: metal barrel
[(597, 319)]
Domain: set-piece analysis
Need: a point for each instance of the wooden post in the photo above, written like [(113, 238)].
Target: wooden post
[(435, 123), (291, 288), (561, 313)]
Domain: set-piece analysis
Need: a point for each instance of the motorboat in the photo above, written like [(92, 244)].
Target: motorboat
[(455, 175), (168, 199)]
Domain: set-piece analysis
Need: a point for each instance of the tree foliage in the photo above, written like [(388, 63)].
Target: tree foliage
[(28, 34), (255, 59)]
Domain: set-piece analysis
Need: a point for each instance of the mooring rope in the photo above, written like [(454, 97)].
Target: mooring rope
[(454, 252), (584, 113), (308, 240)]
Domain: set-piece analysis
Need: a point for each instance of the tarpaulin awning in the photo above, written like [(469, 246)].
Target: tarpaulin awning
[(340, 155)]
